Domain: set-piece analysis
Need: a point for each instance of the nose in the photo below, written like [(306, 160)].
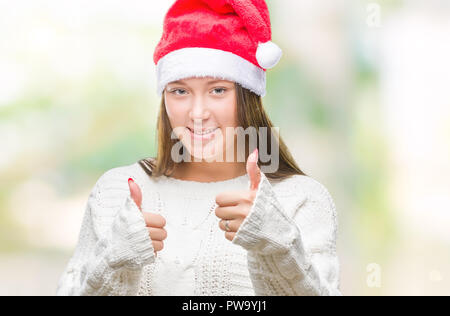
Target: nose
[(199, 110)]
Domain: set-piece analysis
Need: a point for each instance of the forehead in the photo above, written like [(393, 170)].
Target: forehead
[(203, 80)]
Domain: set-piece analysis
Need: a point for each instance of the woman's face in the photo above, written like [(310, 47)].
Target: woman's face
[(203, 104)]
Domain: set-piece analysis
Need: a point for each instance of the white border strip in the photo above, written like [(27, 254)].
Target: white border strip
[(209, 62)]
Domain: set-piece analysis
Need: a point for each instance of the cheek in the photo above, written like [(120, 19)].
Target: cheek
[(227, 119), (176, 113), (226, 115)]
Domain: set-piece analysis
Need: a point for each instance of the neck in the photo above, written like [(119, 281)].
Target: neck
[(208, 172)]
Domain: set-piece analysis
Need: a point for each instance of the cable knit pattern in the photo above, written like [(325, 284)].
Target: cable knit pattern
[(285, 246), (280, 261)]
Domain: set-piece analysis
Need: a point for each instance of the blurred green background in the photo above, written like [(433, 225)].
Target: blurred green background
[(360, 96)]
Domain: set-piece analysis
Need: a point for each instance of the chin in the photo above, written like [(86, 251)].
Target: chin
[(208, 154)]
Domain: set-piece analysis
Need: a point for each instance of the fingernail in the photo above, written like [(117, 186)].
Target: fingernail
[(130, 179)]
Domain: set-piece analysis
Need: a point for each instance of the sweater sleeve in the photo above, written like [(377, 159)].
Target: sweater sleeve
[(113, 246), (292, 256)]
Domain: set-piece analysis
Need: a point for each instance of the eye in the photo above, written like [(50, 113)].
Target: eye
[(175, 90), (220, 89)]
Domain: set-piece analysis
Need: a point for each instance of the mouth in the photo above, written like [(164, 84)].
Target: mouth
[(204, 134)]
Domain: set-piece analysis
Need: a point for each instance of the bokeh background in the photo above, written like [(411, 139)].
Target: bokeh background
[(361, 96)]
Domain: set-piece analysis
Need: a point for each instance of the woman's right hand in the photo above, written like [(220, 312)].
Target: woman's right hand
[(155, 223)]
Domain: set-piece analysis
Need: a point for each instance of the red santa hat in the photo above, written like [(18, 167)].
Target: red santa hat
[(226, 39)]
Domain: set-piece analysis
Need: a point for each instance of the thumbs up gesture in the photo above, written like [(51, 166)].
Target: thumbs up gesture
[(155, 223), (233, 207)]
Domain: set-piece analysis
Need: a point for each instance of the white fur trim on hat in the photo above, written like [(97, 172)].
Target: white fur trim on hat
[(209, 62)]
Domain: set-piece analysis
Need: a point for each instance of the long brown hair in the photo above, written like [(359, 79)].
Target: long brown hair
[(250, 112)]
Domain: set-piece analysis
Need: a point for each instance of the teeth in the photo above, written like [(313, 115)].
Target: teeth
[(205, 132)]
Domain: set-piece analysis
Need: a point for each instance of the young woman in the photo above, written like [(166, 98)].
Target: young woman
[(206, 216)]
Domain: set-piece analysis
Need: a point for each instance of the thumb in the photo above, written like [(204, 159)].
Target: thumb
[(253, 170), (136, 193)]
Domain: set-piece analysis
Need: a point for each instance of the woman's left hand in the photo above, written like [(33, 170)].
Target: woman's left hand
[(234, 206)]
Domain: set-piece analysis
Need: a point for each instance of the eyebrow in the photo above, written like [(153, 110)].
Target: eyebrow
[(183, 83)]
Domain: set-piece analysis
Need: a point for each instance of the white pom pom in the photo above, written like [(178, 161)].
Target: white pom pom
[(268, 54)]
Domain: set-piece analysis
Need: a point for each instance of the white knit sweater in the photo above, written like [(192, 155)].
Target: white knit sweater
[(285, 246)]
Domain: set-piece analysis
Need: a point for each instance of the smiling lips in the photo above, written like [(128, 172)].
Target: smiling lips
[(204, 134), (203, 131)]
